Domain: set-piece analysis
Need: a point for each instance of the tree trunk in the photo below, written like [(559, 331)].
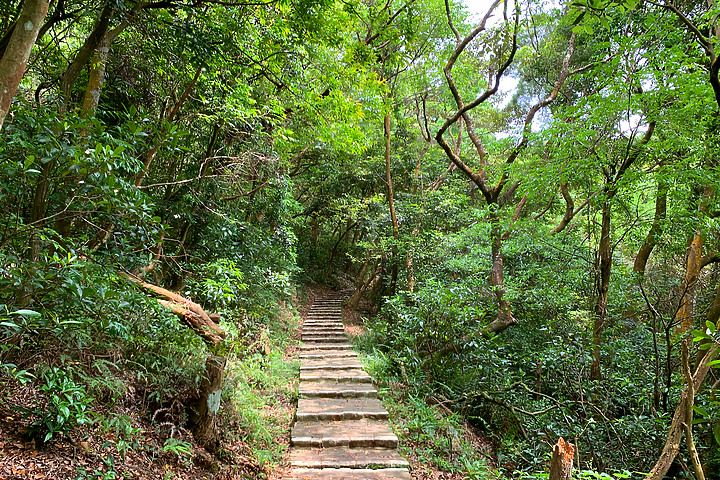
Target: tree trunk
[(84, 54), (562, 460), (672, 443), (685, 315), (504, 317), (605, 254), (655, 230), (192, 313), (204, 413), (96, 78), (391, 203), (361, 284), (686, 311), (150, 156), (14, 60)]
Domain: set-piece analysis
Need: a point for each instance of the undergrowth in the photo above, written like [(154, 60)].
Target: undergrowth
[(432, 438)]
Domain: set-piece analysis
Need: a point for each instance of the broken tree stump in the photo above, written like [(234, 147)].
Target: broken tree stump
[(562, 460), (203, 415)]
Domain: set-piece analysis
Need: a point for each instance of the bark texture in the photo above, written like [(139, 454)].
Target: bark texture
[(14, 61), (672, 442), (190, 312), (562, 460), (203, 415)]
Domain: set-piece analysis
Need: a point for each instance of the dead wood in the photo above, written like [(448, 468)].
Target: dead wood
[(562, 460), (190, 312)]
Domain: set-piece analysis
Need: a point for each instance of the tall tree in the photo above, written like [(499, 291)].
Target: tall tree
[(13, 61)]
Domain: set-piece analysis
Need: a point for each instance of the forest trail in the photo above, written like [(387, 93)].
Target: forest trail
[(341, 429)]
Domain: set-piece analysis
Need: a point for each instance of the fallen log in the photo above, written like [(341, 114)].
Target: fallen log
[(194, 321), (190, 312)]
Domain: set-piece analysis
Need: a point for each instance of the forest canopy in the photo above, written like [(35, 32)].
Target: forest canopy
[(520, 206)]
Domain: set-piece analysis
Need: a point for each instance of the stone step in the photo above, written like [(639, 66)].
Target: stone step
[(323, 337), (335, 457), (324, 329), (322, 354), (335, 409), (346, 433), (330, 364), (323, 325), (324, 318), (325, 389), (349, 474), (346, 375), (326, 346)]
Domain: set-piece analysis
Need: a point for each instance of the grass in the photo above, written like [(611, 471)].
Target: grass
[(261, 389), (433, 439)]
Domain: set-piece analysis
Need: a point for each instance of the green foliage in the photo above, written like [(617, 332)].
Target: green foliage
[(66, 405), (260, 389), (177, 447)]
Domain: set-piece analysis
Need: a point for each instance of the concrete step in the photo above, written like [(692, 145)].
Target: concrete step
[(325, 389), (346, 433), (326, 346), (335, 409), (323, 337), (345, 375), (324, 329), (323, 354), (337, 457), (349, 474), (330, 364)]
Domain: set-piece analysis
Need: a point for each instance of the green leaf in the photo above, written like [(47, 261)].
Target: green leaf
[(699, 334), (700, 411), (26, 313), (710, 326), (716, 433)]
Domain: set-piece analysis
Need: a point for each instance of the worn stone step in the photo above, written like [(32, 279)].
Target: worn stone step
[(324, 319), (330, 364), (322, 354), (326, 346), (324, 329), (339, 457), (346, 375), (335, 409), (323, 337), (346, 433), (309, 326), (349, 474), (325, 389)]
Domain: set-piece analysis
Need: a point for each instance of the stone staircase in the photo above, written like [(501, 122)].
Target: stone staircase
[(341, 429)]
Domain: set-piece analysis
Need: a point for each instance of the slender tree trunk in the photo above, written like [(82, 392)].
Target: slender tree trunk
[(150, 155), (672, 442), (360, 284), (655, 230), (96, 78), (504, 317), (391, 203), (14, 60), (605, 254), (84, 54), (685, 315)]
